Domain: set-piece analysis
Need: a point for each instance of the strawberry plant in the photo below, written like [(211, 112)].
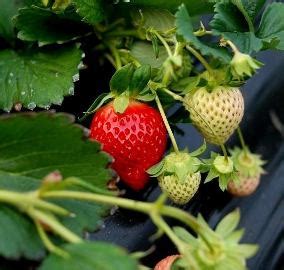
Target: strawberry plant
[(150, 66)]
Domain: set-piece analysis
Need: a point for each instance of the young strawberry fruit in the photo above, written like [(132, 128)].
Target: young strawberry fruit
[(216, 114), (178, 176), (166, 263), (249, 167), (135, 138)]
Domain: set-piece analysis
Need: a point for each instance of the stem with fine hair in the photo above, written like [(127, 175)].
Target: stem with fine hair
[(201, 59), (47, 243), (241, 138), (167, 125), (224, 150)]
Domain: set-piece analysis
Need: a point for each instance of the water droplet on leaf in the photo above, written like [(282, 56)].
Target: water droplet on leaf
[(31, 105)]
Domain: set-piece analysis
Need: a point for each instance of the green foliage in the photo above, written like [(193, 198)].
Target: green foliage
[(195, 7), (185, 29), (145, 54), (271, 27), (235, 20), (46, 26), (121, 79), (91, 11), (159, 19), (39, 77), (18, 236), (8, 9), (91, 256), (46, 142)]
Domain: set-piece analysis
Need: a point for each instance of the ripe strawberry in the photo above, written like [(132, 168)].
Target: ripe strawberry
[(166, 263), (135, 138), (178, 176), (215, 114), (249, 167)]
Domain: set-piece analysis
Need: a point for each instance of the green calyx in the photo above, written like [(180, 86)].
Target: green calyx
[(219, 248), (179, 164), (222, 168), (243, 65), (247, 163)]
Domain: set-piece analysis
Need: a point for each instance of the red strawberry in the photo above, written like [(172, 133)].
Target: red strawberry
[(166, 263), (135, 138)]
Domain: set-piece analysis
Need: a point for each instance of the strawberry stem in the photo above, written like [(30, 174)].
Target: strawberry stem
[(164, 42), (233, 46), (173, 95), (241, 137), (224, 150), (55, 225), (182, 247), (167, 125), (47, 243), (115, 53), (201, 59)]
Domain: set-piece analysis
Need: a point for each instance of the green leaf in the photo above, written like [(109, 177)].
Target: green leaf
[(247, 250), (185, 236), (140, 79), (37, 78), (230, 23), (195, 7), (99, 102), (121, 102), (200, 150), (159, 19), (145, 54), (120, 81), (229, 223), (91, 11), (33, 145), (156, 170), (46, 26), (252, 7), (185, 29), (272, 26), (91, 256), (9, 8), (19, 237)]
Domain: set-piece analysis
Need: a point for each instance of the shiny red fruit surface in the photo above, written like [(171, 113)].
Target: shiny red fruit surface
[(136, 139)]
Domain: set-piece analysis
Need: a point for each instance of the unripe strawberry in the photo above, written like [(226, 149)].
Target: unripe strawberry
[(249, 167), (216, 114), (180, 192), (245, 187), (166, 263), (178, 176)]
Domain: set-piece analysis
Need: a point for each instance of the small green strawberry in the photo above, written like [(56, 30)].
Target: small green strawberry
[(249, 167), (215, 112), (243, 65), (220, 167), (219, 248), (178, 176)]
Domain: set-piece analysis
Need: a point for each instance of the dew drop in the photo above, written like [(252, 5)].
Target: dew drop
[(56, 74), (23, 93), (9, 81), (31, 105), (11, 74), (81, 66), (76, 77), (71, 91)]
